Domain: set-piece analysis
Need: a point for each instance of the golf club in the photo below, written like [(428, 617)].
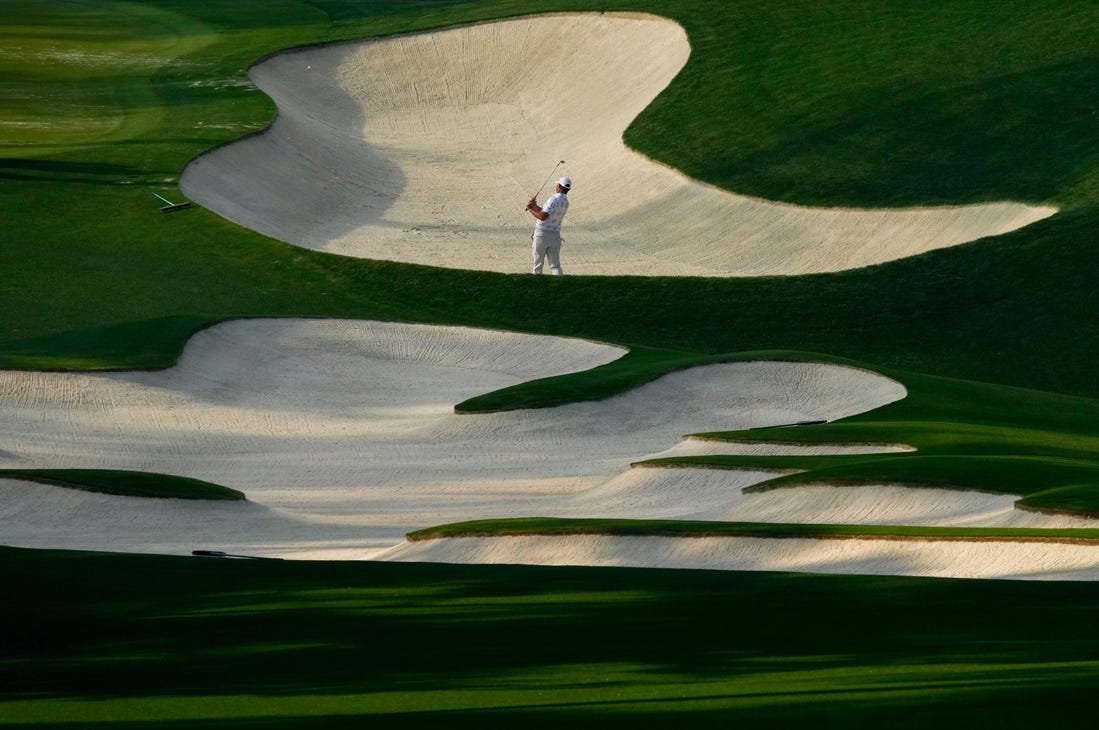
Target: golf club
[(548, 177)]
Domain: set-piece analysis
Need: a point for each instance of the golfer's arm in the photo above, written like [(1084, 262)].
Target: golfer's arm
[(536, 210)]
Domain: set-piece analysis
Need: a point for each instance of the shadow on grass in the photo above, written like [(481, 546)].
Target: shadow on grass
[(92, 173), (108, 627), (978, 703)]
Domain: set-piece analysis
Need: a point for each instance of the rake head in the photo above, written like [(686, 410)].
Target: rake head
[(170, 207)]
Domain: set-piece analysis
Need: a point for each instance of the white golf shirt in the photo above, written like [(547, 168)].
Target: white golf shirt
[(555, 207)]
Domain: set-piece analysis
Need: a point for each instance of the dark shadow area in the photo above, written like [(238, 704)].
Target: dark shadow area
[(68, 171), (99, 626)]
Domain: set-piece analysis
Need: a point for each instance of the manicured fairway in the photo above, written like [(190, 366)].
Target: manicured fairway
[(140, 642)]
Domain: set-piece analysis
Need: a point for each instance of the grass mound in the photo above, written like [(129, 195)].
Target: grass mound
[(556, 527), (965, 435), (126, 483)]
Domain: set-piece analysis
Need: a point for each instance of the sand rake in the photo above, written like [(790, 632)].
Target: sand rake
[(170, 207)]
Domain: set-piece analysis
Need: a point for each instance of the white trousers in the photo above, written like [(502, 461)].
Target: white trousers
[(546, 246)]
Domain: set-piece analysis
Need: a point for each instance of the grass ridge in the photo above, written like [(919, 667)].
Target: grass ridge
[(561, 527), (127, 483)]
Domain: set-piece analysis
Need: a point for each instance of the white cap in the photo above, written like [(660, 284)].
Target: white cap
[(565, 182)]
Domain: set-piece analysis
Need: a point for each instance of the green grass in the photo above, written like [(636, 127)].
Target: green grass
[(885, 103), (126, 483), (556, 527), (638, 366), (140, 642), (965, 435)]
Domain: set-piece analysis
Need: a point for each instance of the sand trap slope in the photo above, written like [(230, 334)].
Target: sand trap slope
[(343, 436), (424, 148), (717, 495), (1011, 560)]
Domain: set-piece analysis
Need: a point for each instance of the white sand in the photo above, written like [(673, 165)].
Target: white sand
[(1008, 560), (343, 436), (424, 148)]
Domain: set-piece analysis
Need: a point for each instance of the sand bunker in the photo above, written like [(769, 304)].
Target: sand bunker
[(1011, 560), (343, 436), (424, 148)]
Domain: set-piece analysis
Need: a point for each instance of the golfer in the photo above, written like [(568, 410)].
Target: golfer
[(547, 231)]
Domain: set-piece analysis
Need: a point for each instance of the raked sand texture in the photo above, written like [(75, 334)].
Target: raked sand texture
[(424, 148), (940, 559), (343, 436)]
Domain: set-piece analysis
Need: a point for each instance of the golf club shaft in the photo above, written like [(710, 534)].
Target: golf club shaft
[(546, 181)]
